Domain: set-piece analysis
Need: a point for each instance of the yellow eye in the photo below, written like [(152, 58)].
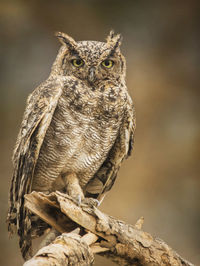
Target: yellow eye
[(77, 62), (107, 63)]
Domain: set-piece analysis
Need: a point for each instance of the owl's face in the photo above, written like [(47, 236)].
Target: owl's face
[(91, 61)]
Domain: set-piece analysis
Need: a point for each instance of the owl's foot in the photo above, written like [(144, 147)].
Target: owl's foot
[(78, 199), (91, 202)]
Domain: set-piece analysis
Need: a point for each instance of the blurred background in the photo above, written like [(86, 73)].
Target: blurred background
[(161, 44)]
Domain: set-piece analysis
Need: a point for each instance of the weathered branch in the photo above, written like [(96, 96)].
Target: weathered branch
[(125, 244), (67, 249)]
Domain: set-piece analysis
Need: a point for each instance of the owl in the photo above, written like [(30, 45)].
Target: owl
[(77, 128)]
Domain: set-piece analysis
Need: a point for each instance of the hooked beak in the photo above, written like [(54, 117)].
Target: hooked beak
[(91, 74)]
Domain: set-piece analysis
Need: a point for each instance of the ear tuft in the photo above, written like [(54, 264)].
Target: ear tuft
[(114, 41), (66, 40), (110, 36)]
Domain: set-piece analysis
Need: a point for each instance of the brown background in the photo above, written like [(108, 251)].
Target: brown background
[(161, 43)]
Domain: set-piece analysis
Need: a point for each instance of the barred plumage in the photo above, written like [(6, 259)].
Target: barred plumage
[(77, 129)]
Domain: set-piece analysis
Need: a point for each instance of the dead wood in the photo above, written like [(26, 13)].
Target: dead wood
[(67, 249), (122, 243)]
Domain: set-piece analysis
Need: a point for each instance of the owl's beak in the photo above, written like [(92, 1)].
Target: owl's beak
[(91, 75)]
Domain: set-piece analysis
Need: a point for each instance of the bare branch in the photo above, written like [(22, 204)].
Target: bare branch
[(67, 249)]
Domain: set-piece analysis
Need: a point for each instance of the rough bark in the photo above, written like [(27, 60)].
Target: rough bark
[(122, 243), (67, 249)]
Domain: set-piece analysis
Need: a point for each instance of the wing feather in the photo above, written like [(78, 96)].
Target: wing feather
[(39, 110)]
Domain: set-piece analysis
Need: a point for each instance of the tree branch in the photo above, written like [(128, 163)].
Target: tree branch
[(122, 243), (67, 249)]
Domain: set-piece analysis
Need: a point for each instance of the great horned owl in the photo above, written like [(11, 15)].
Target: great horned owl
[(77, 128)]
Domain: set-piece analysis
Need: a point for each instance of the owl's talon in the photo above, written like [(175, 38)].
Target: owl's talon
[(91, 202), (79, 200)]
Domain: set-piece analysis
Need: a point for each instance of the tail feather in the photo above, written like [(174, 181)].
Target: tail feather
[(24, 232)]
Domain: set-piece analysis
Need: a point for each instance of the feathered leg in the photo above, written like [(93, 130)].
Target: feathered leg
[(73, 187)]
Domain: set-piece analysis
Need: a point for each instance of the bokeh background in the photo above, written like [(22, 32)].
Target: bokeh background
[(161, 43)]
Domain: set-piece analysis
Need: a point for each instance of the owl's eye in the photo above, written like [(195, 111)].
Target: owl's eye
[(77, 62), (107, 63)]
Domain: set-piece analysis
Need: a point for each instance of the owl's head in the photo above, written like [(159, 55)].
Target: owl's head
[(90, 61)]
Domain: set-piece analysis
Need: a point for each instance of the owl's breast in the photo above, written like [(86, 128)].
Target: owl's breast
[(82, 131)]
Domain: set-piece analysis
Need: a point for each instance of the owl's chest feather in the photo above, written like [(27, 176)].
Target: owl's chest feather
[(83, 129), (87, 116)]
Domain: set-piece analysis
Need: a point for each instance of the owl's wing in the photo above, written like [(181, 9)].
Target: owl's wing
[(106, 175), (37, 117)]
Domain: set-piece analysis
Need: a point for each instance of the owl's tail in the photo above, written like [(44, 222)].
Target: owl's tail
[(22, 225), (24, 232), (18, 218)]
